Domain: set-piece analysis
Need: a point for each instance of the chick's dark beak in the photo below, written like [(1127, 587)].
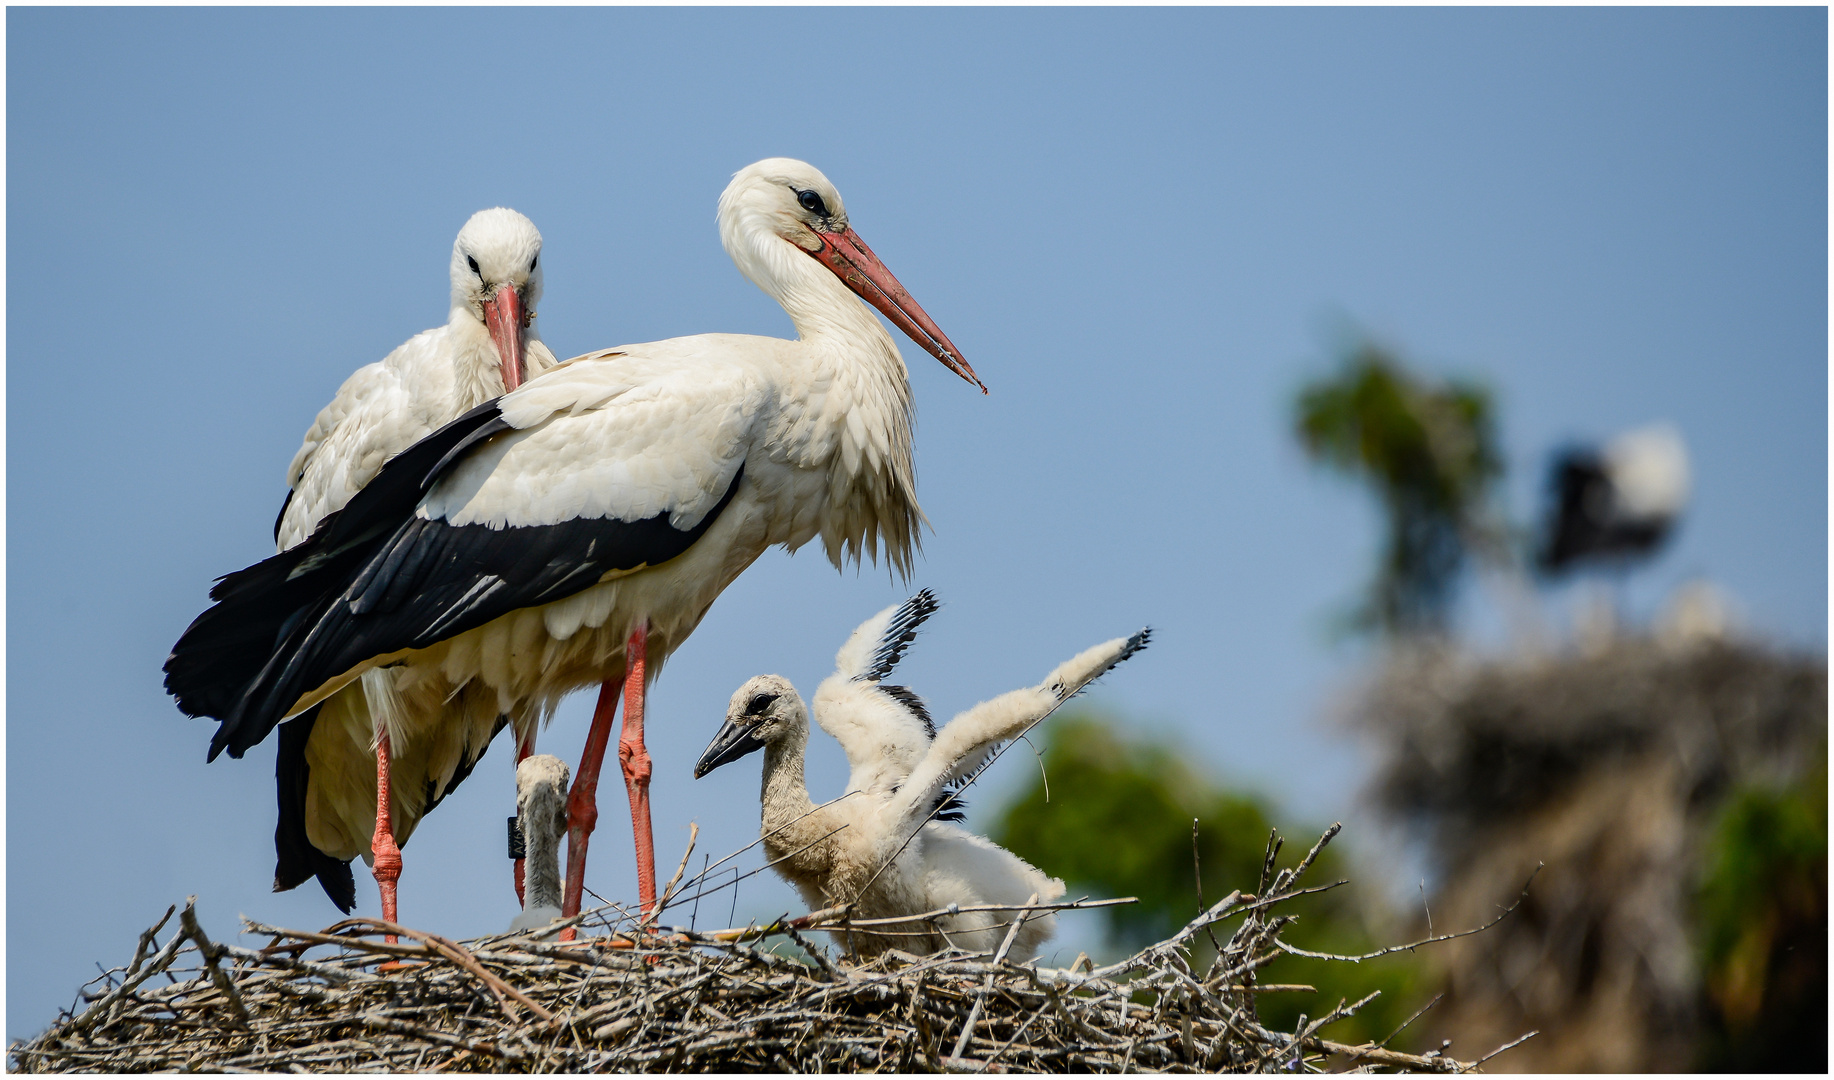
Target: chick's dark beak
[(733, 742)]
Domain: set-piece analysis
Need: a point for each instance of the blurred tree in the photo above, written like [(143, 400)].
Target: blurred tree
[(1762, 924), (1119, 823), (1430, 453)]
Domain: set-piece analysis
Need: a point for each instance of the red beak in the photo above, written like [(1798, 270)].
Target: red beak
[(503, 315), (855, 264)]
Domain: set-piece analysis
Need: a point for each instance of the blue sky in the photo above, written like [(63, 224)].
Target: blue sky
[(1145, 229)]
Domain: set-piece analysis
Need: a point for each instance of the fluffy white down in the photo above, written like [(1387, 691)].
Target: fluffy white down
[(960, 867), (541, 811)]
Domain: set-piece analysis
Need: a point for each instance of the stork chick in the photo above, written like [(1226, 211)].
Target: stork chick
[(881, 849), (541, 817)]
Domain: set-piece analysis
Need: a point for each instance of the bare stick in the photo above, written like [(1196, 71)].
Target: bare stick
[(212, 954), (1505, 1046), (1412, 945)]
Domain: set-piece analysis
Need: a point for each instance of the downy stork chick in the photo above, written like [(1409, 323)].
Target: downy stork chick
[(574, 532), (541, 817), (883, 851)]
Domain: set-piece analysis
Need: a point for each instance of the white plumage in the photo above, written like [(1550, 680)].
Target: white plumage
[(877, 846)]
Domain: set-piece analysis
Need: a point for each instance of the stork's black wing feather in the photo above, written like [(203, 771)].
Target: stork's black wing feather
[(295, 857), (282, 516), (430, 581), (898, 635), (227, 646)]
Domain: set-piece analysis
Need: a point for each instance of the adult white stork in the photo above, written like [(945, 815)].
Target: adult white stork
[(565, 534), (1614, 503), (489, 344)]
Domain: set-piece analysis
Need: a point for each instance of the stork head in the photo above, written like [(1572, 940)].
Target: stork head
[(765, 710), (782, 201), (541, 795), (496, 278)]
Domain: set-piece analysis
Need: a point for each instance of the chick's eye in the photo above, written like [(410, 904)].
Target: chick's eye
[(474, 267), (812, 203), (759, 703), (532, 263)]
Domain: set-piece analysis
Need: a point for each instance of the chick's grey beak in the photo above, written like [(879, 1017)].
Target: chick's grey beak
[(733, 742)]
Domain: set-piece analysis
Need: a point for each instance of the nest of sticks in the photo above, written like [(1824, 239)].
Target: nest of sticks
[(630, 996)]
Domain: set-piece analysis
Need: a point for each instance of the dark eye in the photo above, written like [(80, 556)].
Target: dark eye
[(812, 203), (759, 703), (474, 267), (532, 263)]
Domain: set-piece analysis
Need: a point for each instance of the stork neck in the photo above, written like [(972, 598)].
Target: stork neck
[(785, 792), (827, 315), (542, 851), (477, 374)]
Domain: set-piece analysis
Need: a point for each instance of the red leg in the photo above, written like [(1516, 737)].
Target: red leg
[(387, 867), (634, 757), (582, 801), (523, 749)]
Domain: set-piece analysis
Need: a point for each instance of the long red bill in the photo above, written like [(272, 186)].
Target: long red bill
[(503, 315), (855, 264)]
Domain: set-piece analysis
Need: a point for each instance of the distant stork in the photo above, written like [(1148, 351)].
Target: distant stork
[(1617, 503), (560, 536)]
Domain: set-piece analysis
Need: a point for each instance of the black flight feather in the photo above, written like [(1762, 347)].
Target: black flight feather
[(282, 516), (445, 580), (898, 635), (227, 646), (296, 858)]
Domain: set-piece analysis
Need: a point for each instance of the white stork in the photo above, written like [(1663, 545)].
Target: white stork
[(561, 536), (1615, 503), (488, 345), (883, 848)]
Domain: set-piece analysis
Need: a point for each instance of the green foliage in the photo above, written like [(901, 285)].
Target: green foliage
[(1119, 823), (1430, 454), (1761, 918)]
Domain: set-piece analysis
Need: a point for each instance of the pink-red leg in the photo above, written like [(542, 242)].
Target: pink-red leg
[(524, 747), (634, 757), (387, 866), (582, 801)]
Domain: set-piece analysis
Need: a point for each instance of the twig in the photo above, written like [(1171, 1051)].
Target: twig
[(999, 957), (212, 954), (1410, 946), (1506, 1046)]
